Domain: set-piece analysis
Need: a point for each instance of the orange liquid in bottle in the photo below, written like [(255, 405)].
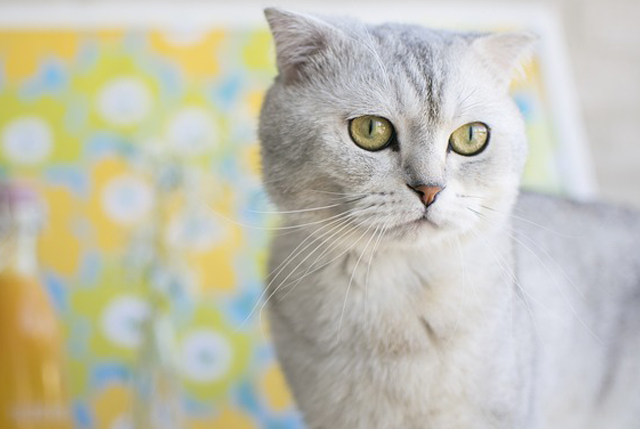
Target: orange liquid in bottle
[(32, 388), (31, 380)]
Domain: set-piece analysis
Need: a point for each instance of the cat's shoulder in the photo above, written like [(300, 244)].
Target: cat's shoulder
[(555, 206), (553, 217)]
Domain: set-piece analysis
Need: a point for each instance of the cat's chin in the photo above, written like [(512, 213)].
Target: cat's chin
[(418, 233)]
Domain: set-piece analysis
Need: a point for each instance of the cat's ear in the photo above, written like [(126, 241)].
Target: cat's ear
[(298, 38), (505, 53)]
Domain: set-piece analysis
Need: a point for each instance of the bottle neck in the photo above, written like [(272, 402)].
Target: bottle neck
[(21, 218), (20, 252)]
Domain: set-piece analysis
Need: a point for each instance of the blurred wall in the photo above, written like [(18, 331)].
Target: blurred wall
[(603, 38)]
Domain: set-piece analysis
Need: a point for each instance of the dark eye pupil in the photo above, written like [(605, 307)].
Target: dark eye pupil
[(470, 133), (370, 127)]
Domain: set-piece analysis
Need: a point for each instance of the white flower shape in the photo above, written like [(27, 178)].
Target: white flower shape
[(196, 231), (124, 101), (205, 356), (27, 140), (127, 199), (192, 131), (122, 320)]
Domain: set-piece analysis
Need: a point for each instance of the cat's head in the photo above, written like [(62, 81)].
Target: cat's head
[(404, 128)]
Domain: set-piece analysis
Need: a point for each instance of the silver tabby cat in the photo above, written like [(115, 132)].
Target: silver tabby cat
[(411, 285)]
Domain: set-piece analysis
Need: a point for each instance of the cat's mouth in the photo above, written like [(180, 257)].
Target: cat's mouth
[(424, 220), (415, 225)]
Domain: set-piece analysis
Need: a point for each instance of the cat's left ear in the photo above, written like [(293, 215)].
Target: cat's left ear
[(504, 53), (298, 39)]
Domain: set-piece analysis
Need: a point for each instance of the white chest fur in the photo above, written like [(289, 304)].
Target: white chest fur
[(410, 340)]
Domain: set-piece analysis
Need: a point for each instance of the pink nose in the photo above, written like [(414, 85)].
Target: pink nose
[(427, 194)]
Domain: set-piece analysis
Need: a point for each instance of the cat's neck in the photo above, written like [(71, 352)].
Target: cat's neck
[(475, 255), (458, 280), (374, 298)]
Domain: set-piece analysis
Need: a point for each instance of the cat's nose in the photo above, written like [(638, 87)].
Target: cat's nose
[(426, 193)]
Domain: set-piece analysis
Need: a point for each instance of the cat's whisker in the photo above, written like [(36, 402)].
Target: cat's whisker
[(276, 228), (528, 221), (520, 293), (353, 35), (309, 269), (341, 222), (463, 263), (470, 94), (509, 276), (311, 235), (344, 194), (462, 300), (339, 196), (505, 270), (295, 253), (562, 271), (375, 248), (469, 196), (478, 213), (472, 106), (346, 295), (306, 210), (376, 55), (555, 264), (550, 258), (243, 225), (298, 227), (283, 282), (509, 231), (564, 296)]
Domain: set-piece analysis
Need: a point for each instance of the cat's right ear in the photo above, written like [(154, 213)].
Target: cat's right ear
[(505, 52), (298, 38)]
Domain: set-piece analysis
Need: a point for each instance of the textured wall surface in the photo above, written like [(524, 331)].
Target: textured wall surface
[(604, 43)]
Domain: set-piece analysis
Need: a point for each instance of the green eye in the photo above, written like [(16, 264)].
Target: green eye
[(470, 139), (371, 132)]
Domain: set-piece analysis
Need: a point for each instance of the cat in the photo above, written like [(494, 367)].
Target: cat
[(412, 284)]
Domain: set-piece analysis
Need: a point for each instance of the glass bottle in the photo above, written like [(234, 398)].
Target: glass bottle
[(32, 387)]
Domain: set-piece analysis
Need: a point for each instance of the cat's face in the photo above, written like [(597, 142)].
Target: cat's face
[(360, 120)]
